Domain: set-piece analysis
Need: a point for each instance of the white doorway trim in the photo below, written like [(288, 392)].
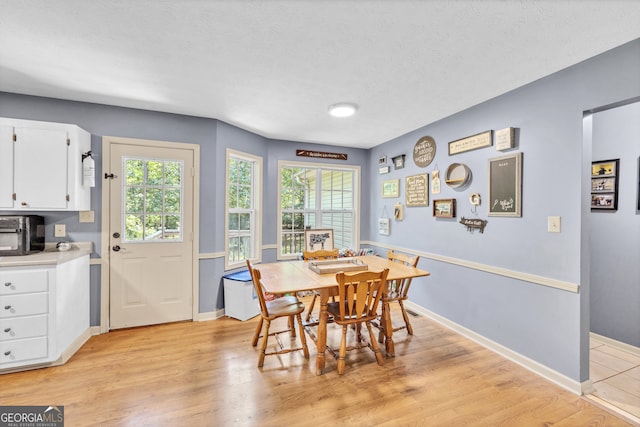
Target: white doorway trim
[(106, 204)]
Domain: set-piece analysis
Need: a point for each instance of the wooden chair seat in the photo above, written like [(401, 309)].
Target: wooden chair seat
[(286, 306), (358, 298)]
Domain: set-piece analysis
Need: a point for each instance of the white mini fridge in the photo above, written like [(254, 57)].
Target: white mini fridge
[(240, 299)]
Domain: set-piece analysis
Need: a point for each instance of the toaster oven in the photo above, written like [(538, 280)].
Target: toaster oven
[(21, 234)]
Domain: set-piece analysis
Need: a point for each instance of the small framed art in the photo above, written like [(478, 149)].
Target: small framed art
[(444, 208), (318, 239), (391, 188), (604, 185)]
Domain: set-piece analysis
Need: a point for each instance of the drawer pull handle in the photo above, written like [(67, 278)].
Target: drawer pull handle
[(7, 330), (7, 307), (6, 353), (7, 284)]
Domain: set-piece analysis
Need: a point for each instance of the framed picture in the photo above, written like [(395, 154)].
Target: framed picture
[(604, 185), (444, 208), (318, 239), (384, 225), (416, 190), (391, 188), (398, 161), (382, 160), (505, 185)]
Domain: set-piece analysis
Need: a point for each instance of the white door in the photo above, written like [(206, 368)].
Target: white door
[(151, 233)]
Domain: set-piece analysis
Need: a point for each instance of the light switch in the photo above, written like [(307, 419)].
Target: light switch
[(87, 216), (553, 224), (59, 230)]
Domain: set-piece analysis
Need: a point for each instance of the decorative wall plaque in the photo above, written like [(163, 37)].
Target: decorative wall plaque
[(474, 224), (505, 138), (416, 190), (321, 154), (469, 143), (424, 151)]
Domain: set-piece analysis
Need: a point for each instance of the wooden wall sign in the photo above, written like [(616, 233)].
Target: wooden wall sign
[(321, 154), (416, 191), (480, 140), (424, 151)]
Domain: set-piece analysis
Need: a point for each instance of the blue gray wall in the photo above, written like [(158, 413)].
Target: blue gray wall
[(545, 324), (615, 236), (548, 325)]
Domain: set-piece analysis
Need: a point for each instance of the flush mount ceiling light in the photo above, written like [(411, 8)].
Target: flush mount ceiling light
[(343, 109)]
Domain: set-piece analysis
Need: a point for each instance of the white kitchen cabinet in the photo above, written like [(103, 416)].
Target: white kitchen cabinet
[(6, 167), (44, 313), (45, 171)]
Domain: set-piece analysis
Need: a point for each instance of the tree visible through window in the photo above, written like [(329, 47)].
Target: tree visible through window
[(316, 197), (242, 204), (153, 200)]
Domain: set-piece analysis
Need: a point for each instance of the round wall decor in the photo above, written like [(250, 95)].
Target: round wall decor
[(458, 175), (424, 151)]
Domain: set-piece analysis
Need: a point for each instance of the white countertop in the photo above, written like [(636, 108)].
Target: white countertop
[(50, 255)]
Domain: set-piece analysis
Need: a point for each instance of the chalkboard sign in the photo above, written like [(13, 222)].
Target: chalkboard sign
[(424, 151), (416, 190), (505, 186)]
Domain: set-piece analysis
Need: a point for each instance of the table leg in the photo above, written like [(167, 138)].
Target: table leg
[(321, 342), (388, 328)]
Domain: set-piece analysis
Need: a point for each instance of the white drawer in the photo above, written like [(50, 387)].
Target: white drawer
[(23, 350), (15, 328), (19, 282), (24, 305)]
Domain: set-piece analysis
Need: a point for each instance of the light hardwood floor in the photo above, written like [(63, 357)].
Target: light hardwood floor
[(615, 374), (205, 374)]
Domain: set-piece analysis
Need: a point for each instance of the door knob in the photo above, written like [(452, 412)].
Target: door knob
[(116, 235), (116, 248)]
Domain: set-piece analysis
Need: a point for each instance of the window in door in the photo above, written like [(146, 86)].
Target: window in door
[(243, 203), (153, 200), (317, 196)]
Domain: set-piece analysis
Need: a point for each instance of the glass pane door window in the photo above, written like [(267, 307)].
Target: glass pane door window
[(152, 200)]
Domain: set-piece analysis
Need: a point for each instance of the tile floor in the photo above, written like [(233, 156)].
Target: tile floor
[(615, 374)]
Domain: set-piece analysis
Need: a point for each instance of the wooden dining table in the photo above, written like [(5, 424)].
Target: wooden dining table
[(295, 276)]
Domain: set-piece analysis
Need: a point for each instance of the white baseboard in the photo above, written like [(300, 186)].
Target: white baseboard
[(618, 345), (211, 315), (529, 364)]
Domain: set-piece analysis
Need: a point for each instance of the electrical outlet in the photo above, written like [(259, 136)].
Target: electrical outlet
[(59, 230), (553, 224)]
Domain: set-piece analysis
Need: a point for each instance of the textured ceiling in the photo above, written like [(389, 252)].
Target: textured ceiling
[(273, 67)]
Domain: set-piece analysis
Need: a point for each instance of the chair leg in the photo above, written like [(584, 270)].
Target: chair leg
[(406, 318), (292, 326), (265, 337), (313, 301), (374, 344), (256, 335), (303, 339), (343, 350)]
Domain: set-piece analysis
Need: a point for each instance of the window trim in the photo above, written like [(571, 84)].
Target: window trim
[(257, 207), (356, 202)]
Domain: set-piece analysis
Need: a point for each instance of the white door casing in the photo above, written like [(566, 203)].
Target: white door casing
[(151, 276)]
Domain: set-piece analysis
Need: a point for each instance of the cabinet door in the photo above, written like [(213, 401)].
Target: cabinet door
[(40, 168), (6, 166)]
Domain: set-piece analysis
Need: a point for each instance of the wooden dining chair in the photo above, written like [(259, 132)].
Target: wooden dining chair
[(285, 306), (321, 254), (397, 291), (358, 298)]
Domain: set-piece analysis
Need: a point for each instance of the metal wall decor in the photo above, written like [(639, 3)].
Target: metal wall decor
[(424, 151), (398, 161), (458, 175)]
